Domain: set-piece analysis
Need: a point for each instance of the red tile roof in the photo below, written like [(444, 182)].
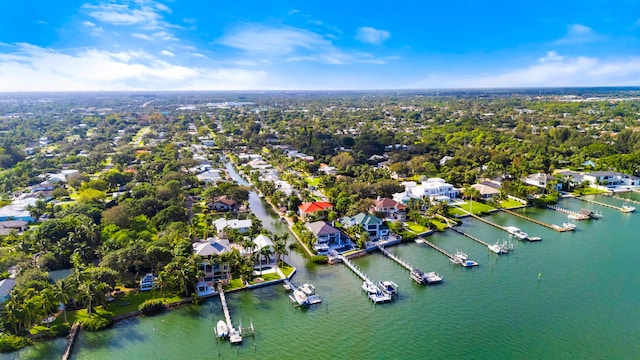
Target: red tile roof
[(312, 207), (387, 202)]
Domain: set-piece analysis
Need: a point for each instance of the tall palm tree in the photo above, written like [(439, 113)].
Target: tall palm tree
[(280, 247), (13, 314), (266, 252), (61, 294)]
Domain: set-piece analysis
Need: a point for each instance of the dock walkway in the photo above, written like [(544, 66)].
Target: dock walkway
[(412, 269), (234, 335), (440, 250), (603, 204), (469, 236), (380, 296), (556, 228), (624, 199), (577, 215)]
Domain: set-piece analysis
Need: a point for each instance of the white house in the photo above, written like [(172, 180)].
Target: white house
[(432, 188), (147, 282), (611, 179), (541, 180), (242, 226), (213, 271)]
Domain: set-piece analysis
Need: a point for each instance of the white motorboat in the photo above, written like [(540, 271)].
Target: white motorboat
[(463, 259), (569, 226), (627, 208), (222, 329), (496, 248), (516, 232), (308, 289), (299, 297), (369, 287), (286, 285), (389, 287), (433, 277)]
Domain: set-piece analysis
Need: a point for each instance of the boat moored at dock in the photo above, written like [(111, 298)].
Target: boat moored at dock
[(369, 287), (627, 208), (221, 329), (389, 287), (516, 232), (463, 259)]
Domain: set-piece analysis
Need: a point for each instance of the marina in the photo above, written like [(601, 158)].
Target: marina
[(379, 296), (512, 230), (304, 295)]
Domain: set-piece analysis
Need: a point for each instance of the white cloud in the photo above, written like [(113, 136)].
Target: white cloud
[(163, 35), (292, 44), (32, 68), (579, 34), (551, 56), (141, 36), (88, 24), (147, 14), (562, 71), (198, 55), (371, 35), (167, 53)]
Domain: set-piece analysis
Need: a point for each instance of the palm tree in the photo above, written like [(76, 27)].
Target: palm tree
[(266, 252), (61, 294), (280, 247), (160, 282), (13, 314), (48, 302)]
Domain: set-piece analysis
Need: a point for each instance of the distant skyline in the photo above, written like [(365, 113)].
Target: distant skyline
[(121, 45)]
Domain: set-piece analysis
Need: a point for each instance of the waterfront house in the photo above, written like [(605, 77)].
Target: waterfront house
[(327, 237), (611, 179), (6, 286), (224, 204), (373, 225), (213, 271), (17, 210), (307, 209), (210, 176), (486, 191), (541, 180), (260, 242), (147, 282), (390, 208), (242, 226), (435, 189)]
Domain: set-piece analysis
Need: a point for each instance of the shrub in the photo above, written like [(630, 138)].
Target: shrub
[(319, 259), (9, 342), (151, 307), (408, 236), (97, 322)]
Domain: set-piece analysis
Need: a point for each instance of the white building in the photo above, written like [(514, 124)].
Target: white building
[(432, 188), (242, 226), (611, 179)]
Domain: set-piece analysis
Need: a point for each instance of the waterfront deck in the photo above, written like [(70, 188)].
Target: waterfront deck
[(416, 274), (575, 215), (235, 336), (553, 227)]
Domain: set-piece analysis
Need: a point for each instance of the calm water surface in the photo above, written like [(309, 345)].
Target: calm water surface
[(585, 305)]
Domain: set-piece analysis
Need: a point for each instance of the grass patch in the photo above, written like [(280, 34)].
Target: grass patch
[(477, 207), (439, 224), (233, 284), (266, 277), (510, 203), (350, 252), (286, 269), (416, 228), (589, 191), (312, 181), (133, 299)]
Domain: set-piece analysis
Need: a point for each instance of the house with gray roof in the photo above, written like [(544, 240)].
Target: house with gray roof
[(372, 224), (6, 286), (327, 236)]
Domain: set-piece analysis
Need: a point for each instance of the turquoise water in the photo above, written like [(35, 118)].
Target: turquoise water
[(585, 305)]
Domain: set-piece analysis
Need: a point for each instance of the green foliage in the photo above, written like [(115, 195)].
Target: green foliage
[(152, 307), (97, 322), (319, 259), (9, 342), (408, 236)]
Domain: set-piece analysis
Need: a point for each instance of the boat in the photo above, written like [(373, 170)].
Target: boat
[(499, 248), (463, 259), (627, 208), (516, 232), (577, 216), (369, 287), (287, 284), (299, 297), (419, 241), (432, 278), (535, 238), (569, 226), (222, 329), (389, 287), (308, 289)]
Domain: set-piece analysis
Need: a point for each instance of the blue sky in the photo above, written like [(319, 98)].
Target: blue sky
[(75, 45)]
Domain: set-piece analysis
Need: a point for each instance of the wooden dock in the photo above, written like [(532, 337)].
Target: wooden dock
[(380, 297), (469, 236), (577, 215), (412, 269), (235, 336), (622, 209), (556, 228), (440, 250), (71, 338), (624, 199)]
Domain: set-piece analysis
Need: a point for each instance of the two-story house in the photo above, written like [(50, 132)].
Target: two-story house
[(327, 236), (373, 225), (390, 208)]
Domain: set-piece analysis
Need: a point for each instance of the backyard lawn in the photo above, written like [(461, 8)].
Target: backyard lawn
[(416, 228), (510, 203), (477, 208), (313, 181)]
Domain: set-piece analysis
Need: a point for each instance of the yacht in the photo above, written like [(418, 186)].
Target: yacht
[(628, 209), (308, 289), (499, 248), (516, 232), (569, 226), (432, 278)]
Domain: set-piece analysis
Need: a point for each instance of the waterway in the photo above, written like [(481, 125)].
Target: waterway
[(572, 295)]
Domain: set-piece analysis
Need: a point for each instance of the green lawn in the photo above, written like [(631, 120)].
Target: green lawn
[(588, 191), (510, 203), (233, 284), (416, 228), (286, 269), (312, 181), (439, 224), (477, 207), (266, 277)]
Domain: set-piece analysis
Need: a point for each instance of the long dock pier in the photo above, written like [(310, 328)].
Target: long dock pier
[(622, 209), (234, 335), (440, 250), (624, 199), (469, 236), (576, 215), (556, 228), (416, 274)]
